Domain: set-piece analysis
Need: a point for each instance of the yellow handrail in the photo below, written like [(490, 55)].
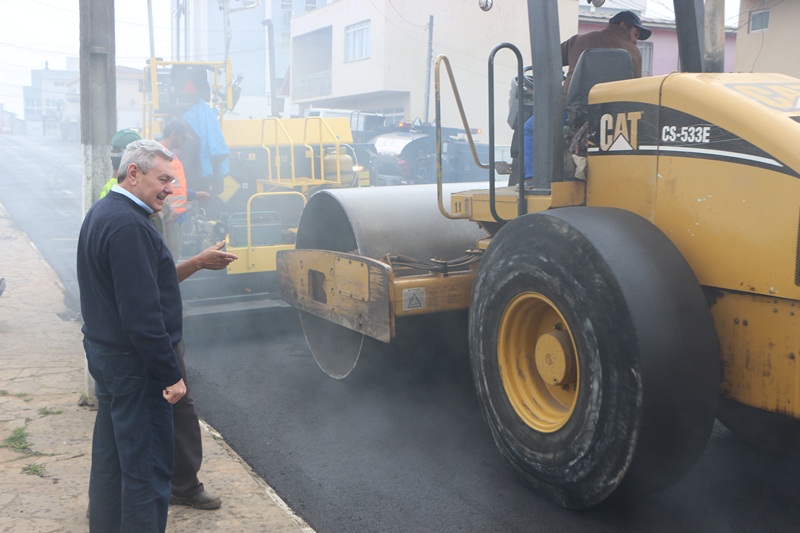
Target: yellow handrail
[(278, 124), (438, 105), (321, 121), (250, 246)]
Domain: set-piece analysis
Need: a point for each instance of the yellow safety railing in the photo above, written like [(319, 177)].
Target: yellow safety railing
[(278, 127), (250, 247), (322, 124)]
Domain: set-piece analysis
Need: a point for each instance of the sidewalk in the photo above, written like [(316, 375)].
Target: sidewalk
[(45, 488)]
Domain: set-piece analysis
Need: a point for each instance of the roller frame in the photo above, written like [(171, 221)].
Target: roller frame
[(363, 294)]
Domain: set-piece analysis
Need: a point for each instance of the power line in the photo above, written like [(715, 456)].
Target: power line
[(52, 6), (390, 21), (73, 53), (405, 19)]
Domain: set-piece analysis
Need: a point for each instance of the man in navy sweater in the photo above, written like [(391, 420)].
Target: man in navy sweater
[(131, 306)]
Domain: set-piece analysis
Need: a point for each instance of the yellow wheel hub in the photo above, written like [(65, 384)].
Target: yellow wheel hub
[(538, 362)]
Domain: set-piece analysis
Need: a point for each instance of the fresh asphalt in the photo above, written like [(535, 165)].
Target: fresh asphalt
[(400, 444)]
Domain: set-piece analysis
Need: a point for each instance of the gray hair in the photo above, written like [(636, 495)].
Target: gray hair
[(142, 154)]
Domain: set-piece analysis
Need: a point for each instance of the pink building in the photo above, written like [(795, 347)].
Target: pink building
[(660, 51)]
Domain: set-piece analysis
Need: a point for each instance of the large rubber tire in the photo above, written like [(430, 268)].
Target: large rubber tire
[(593, 354), (773, 432)]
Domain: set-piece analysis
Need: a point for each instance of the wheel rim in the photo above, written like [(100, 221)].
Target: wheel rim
[(538, 362)]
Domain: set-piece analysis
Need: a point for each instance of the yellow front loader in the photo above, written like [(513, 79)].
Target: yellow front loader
[(274, 164)]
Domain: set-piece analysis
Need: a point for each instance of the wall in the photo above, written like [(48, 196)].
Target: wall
[(774, 49)]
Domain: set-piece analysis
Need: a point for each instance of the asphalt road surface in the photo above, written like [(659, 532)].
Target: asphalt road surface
[(41, 188), (400, 444)]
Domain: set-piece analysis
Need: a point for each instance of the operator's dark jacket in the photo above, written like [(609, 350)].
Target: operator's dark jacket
[(612, 36), (130, 299)]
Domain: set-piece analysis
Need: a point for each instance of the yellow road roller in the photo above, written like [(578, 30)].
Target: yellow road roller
[(611, 319)]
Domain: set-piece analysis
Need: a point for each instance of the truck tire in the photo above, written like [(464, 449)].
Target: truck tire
[(593, 354)]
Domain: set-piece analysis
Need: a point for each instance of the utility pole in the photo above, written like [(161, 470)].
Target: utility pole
[(177, 32), (98, 94), (429, 60), (715, 36), (98, 105), (150, 26), (275, 102)]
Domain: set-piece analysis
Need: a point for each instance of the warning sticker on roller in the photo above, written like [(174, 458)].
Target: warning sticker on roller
[(414, 299)]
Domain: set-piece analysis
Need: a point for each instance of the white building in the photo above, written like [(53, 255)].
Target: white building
[(46, 99), (257, 38), (372, 55)]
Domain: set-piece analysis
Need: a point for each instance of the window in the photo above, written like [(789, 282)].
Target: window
[(286, 5), (394, 115), (311, 4), (647, 58), (759, 20), (357, 41)]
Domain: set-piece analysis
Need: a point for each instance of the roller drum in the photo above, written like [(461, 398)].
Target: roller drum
[(373, 222)]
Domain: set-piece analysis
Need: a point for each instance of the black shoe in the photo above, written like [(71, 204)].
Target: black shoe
[(200, 500)]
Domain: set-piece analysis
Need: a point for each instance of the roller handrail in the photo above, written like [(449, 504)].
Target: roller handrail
[(520, 145), (438, 111)]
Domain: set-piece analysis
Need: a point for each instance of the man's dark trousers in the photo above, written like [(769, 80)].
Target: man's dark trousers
[(129, 485), (188, 441)]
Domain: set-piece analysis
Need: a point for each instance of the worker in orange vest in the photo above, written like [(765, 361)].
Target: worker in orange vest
[(187, 489), (174, 214)]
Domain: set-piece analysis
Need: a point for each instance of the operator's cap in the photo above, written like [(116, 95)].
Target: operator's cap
[(123, 138), (631, 18)]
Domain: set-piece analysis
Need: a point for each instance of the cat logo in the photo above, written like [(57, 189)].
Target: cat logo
[(783, 97), (619, 132)]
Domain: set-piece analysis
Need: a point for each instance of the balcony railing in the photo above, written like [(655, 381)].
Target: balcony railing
[(311, 85)]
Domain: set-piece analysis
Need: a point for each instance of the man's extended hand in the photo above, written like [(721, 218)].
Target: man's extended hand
[(212, 258), (175, 392)]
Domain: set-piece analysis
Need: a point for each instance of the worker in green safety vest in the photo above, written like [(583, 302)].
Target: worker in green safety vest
[(120, 140)]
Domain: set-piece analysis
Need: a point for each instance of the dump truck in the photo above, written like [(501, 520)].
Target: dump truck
[(610, 319)]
